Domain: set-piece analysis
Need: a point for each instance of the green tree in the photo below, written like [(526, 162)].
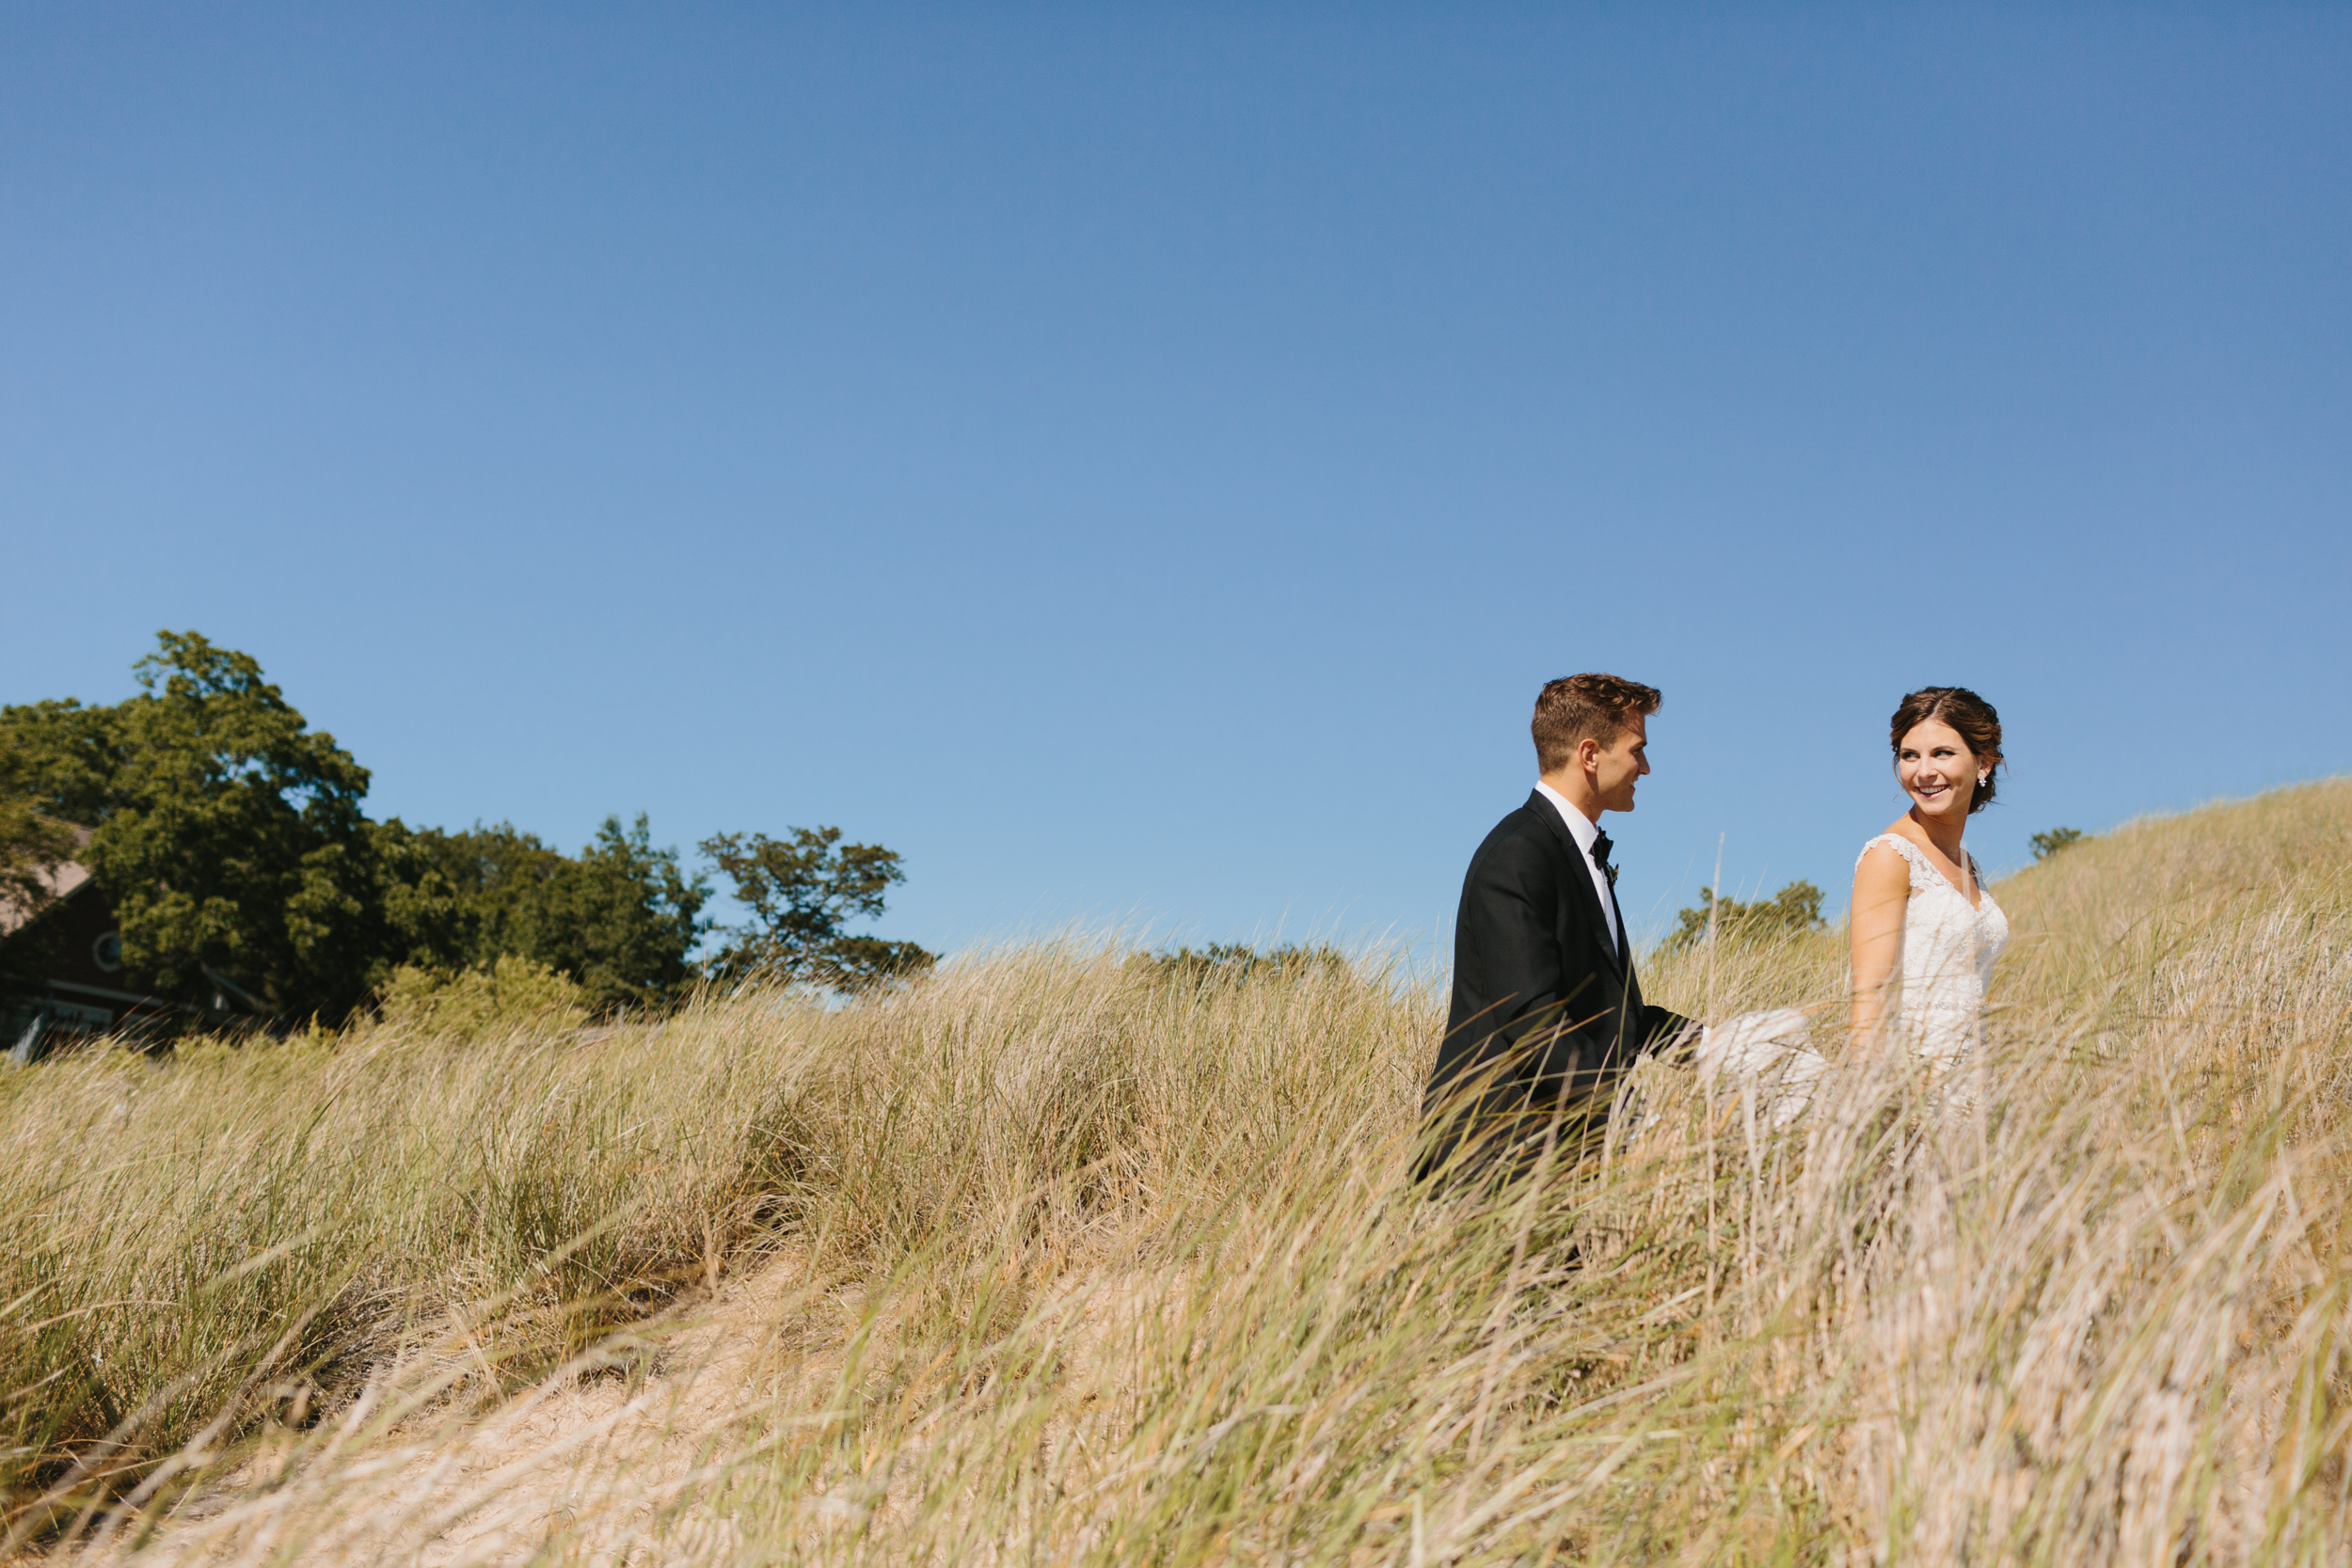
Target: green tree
[(1795, 909), (2046, 844), (226, 832), (1233, 961), (31, 847), (497, 876), (620, 919), (802, 892), (230, 839)]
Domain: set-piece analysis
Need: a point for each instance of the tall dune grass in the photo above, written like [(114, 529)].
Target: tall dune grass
[(1058, 1258)]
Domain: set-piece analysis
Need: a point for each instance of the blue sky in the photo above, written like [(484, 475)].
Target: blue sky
[(1140, 461)]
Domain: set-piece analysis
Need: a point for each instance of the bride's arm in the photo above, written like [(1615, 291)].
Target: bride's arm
[(1881, 888)]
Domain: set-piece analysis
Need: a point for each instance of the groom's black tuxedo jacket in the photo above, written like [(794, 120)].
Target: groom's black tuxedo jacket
[(1546, 1013)]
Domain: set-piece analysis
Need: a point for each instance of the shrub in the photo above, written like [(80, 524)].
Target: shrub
[(513, 993), (1795, 909), (1238, 960), (2046, 844)]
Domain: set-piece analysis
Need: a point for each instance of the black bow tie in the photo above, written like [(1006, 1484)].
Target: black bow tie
[(1600, 857)]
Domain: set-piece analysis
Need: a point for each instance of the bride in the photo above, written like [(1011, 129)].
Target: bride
[(1925, 931)]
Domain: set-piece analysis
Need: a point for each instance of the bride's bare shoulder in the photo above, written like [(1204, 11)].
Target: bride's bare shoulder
[(1881, 864)]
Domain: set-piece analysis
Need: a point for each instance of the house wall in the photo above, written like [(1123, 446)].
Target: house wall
[(62, 979)]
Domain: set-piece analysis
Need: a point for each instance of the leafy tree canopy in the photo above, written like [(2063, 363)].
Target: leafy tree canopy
[(229, 838), (228, 833), (801, 893), (31, 846), (621, 919), (1233, 962), (1795, 909), (2046, 844)]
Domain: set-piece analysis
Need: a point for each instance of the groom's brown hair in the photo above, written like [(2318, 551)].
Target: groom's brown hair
[(1583, 708)]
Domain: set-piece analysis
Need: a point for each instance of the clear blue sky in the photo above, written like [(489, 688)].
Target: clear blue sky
[(1141, 461)]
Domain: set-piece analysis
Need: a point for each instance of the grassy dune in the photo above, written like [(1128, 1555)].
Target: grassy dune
[(1054, 1257)]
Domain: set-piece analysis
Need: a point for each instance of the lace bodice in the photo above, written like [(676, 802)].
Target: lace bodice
[(1949, 952)]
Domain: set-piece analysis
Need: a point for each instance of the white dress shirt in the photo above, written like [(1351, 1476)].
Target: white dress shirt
[(1584, 830)]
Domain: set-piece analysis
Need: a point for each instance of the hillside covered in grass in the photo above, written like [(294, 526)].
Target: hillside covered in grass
[(1062, 1255)]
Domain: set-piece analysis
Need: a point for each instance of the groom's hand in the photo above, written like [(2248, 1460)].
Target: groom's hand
[(1670, 1037)]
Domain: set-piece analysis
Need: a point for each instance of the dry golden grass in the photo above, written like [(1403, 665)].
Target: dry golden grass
[(1052, 1258)]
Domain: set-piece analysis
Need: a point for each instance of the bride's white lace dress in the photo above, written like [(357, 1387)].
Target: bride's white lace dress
[(1949, 948)]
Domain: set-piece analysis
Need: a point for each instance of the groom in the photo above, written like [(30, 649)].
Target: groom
[(1547, 1011)]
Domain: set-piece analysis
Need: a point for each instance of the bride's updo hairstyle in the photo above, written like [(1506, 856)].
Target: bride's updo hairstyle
[(1585, 708), (1964, 710)]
